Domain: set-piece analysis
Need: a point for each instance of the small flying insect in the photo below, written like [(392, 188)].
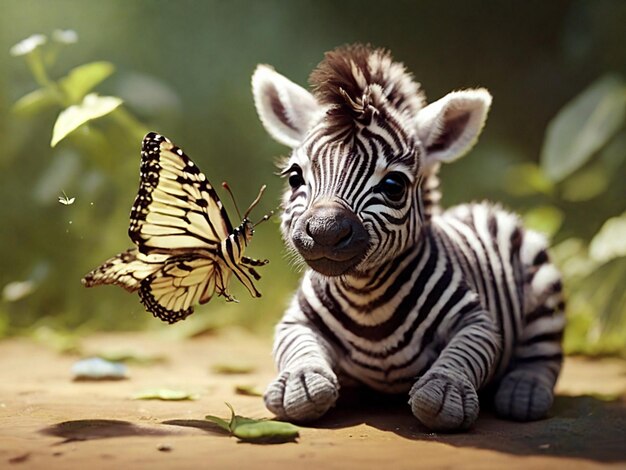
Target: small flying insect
[(66, 201)]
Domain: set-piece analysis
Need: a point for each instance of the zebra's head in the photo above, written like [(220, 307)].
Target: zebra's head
[(361, 143)]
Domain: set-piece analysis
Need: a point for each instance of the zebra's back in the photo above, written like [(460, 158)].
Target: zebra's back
[(508, 267)]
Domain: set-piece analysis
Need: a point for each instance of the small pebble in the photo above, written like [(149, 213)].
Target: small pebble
[(96, 368), (164, 448)]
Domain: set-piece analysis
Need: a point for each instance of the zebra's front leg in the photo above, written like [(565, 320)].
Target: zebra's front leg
[(306, 386), (445, 398)]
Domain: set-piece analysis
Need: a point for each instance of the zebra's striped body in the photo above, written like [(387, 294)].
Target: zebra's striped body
[(402, 297)]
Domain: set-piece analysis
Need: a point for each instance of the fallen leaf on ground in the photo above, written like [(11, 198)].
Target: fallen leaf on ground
[(260, 431), (232, 368), (248, 390), (20, 458), (164, 394), (131, 357)]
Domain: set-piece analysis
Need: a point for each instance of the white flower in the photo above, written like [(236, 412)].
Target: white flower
[(65, 36), (28, 45)]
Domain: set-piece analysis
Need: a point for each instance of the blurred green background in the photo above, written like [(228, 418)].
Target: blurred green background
[(554, 147)]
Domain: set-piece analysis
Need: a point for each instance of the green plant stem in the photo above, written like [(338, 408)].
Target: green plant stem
[(38, 69), (52, 53), (129, 123), (36, 65)]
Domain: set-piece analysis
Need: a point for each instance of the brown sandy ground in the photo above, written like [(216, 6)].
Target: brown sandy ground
[(48, 421)]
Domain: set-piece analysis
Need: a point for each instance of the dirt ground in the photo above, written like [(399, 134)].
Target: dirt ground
[(49, 421)]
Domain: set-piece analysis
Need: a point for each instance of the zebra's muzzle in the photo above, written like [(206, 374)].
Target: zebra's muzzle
[(330, 238)]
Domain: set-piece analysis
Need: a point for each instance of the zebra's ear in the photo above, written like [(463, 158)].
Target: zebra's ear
[(449, 127), (286, 110)]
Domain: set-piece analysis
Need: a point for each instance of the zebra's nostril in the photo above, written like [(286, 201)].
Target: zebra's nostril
[(331, 225), (344, 237), (329, 231)]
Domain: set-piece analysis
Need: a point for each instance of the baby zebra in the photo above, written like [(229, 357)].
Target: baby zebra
[(401, 296)]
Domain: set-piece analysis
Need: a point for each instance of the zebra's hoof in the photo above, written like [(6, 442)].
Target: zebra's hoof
[(303, 394), (522, 396), (444, 401)]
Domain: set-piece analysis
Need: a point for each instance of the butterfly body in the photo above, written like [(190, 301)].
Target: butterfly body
[(186, 248)]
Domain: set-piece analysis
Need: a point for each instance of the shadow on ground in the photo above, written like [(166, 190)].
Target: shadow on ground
[(579, 427), (90, 429), (203, 425)]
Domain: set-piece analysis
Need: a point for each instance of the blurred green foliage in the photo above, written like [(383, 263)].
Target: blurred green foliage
[(554, 147), (584, 159)]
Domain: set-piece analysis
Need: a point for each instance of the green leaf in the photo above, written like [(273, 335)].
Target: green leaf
[(614, 154), (248, 390), (544, 219), (82, 79), (92, 107), (232, 416), (583, 126), (241, 420), (571, 257), (131, 357), (526, 179), (164, 394), (585, 185), (256, 430), (267, 431), (610, 241), (35, 102), (231, 369), (222, 423)]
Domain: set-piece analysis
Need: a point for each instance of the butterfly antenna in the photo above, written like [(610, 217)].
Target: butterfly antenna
[(264, 218), (255, 202), (232, 197)]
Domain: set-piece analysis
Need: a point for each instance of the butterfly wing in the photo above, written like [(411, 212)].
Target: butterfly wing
[(179, 225), (176, 207), (170, 293), (126, 270)]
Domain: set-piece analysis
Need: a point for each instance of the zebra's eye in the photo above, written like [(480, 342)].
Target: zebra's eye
[(393, 186), (295, 177)]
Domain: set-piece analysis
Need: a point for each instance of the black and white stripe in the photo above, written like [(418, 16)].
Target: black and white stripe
[(445, 303)]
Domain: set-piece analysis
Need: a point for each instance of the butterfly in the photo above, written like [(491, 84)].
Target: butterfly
[(186, 248)]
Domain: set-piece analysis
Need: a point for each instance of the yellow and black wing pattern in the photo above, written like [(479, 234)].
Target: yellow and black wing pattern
[(171, 292), (177, 224), (176, 207), (125, 270)]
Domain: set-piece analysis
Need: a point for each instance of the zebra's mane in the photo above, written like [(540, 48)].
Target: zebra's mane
[(355, 81)]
